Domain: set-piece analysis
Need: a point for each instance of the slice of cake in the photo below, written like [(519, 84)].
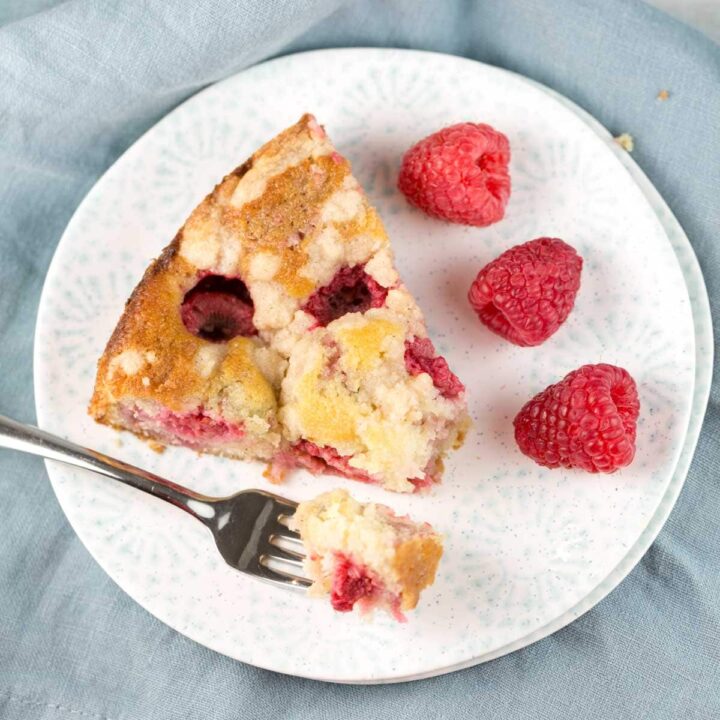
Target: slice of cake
[(275, 326), (364, 556)]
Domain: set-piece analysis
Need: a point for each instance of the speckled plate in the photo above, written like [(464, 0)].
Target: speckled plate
[(527, 549)]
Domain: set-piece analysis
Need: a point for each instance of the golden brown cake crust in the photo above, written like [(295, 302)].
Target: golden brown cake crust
[(416, 563), (128, 331)]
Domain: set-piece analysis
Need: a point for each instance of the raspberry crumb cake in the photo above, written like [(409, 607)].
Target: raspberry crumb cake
[(364, 555), (275, 326)]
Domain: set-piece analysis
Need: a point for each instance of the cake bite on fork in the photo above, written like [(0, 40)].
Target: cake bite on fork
[(364, 555)]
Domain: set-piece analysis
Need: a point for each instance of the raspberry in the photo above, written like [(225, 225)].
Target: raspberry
[(351, 290), (459, 174), (325, 459), (587, 420), (526, 294), (420, 357), (351, 582)]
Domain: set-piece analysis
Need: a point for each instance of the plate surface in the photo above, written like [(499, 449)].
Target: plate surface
[(527, 549)]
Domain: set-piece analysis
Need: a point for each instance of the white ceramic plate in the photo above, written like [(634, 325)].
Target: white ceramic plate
[(527, 549)]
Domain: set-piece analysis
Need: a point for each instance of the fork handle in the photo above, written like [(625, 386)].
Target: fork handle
[(30, 439)]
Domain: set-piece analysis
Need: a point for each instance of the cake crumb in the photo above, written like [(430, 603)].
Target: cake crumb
[(157, 447), (274, 473), (146, 381), (663, 95), (625, 141)]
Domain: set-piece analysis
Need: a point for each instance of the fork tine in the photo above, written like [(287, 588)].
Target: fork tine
[(286, 556), (294, 572), (282, 522), (278, 577), (290, 535), (297, 550), (296, 580)]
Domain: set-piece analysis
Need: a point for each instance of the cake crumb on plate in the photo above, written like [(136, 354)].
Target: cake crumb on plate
[(625, 141)]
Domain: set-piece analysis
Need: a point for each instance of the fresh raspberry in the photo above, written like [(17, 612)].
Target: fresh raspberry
[(459, 174), (526, 294), (587, 420)]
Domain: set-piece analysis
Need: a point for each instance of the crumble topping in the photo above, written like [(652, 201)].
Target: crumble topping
[(129, 362), (380, 267), (264, 266), (345, 204), (208, 358)]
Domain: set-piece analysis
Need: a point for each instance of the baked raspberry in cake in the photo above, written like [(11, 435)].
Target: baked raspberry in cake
[(281, 284), (364, 555)]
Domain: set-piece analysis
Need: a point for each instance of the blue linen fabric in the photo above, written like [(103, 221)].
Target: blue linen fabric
[(79, 81)]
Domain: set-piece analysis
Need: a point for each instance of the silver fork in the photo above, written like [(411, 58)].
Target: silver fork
[(249, 528)]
